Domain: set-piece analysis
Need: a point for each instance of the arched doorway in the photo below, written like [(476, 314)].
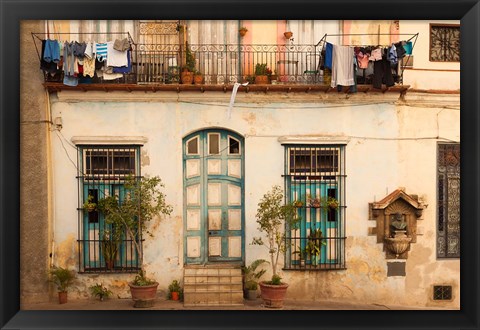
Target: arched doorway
[(213, 181)]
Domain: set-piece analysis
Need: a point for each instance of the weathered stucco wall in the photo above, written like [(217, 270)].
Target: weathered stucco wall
[(426, 74), (34, 173), (382, 155)]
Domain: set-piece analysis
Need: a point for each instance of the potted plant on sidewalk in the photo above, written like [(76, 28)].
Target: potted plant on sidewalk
[(174, 290), (272, 214), (144, 202), (100, 291), (62, 278), (251, 277)]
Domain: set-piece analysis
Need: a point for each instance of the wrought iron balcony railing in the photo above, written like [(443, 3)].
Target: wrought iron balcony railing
[(159, 64)]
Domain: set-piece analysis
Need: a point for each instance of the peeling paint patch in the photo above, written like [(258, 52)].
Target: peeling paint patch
[(66, 252), (145, 159), (250, 118)]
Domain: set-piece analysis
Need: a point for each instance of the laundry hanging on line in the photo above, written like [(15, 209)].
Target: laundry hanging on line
[(79, 60)]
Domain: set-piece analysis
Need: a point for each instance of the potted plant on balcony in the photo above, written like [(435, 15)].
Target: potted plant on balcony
[(109, 245), (262, 73), (243, 31), (330, 203), (188, 69), (271, 216), (314, 202), (62, 278), (144, 203), (174, 290), (198, 78), (251, 277), (298, 203)]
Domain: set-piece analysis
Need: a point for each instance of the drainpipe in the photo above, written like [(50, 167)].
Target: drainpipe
[(50, 179), (239, 43)]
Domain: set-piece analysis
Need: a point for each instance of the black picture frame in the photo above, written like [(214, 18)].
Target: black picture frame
[(12, 12)]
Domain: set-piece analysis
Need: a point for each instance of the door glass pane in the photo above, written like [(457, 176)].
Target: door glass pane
[(233, 146), (192, 146), (214, 144)]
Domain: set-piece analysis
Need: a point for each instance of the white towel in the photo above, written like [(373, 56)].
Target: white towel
[(115, 57), (342, 66)]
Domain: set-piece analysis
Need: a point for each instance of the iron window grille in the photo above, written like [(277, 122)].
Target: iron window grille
[(442, 292), (102, 172), (448, 200), (444, 42), (315, 174)]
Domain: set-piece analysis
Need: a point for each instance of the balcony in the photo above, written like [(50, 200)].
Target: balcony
[(157, 67)]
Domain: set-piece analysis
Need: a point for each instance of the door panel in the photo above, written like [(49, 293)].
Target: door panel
[(213, 179)]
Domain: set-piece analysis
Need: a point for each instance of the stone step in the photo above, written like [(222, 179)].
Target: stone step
[(212, 280), (213, 299), (212, 285), (212, 288), (213, 271)]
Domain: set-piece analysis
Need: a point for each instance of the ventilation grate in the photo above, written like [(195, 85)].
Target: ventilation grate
[(442, 292)]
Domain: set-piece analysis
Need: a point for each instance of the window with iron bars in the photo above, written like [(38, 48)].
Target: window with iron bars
[(315, 182), (102, 173)]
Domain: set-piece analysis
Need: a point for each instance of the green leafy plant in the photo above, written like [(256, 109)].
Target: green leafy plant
[(276, 280), (250, 79), (89, 204), (330, 203), (314, 243), (271, 216), (110, 245), (62, 278), (98, 290), (189, 59), (143, 203), (251, 274), (261, 69), (174, 287)]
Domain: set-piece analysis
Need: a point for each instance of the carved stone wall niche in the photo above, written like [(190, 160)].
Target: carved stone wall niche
[(384, 213)]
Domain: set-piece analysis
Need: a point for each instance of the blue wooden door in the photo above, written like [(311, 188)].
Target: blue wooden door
[(214, 194), (94, 227), (314, 218)]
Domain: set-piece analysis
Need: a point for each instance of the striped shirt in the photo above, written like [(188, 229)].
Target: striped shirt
[(101, 51)]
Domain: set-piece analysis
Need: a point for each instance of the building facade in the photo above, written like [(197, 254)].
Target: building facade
[(378, 152)]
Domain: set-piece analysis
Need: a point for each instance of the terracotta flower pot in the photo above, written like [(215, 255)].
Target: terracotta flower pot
[(273, 295), (62, 297), (288, 34), (175, 296), (242, 32), (198, 79), (186, 77), (143, 296), (261, 80)]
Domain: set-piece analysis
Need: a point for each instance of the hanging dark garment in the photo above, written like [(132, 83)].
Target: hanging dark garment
[(382, 73)]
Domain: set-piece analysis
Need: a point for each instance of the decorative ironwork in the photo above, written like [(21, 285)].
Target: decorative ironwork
[(159, 28), (102, 172), (445, 43), (448, 201), (314, 181)]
